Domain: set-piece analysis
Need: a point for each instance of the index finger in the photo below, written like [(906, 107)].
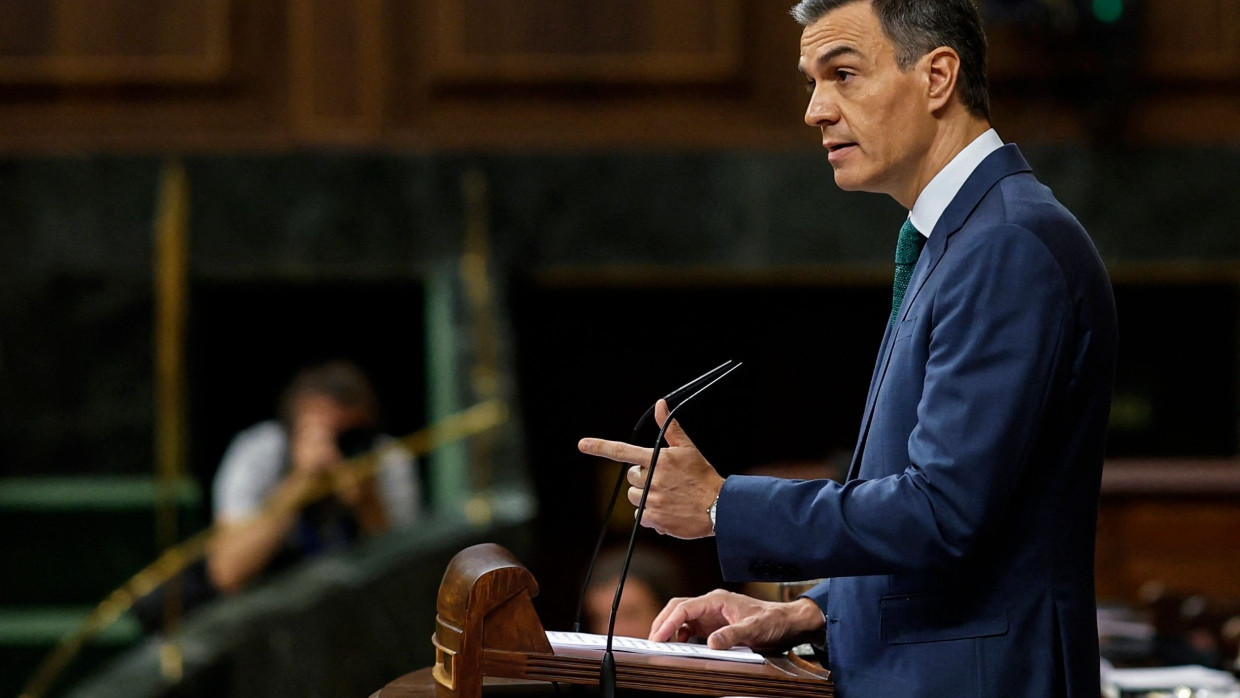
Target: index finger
[(615, 450), (675, 614), (659, 619)]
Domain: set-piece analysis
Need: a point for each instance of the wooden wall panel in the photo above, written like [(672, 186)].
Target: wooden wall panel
[(244, 105), (1187, 546), (1173, 522), (602, 40), (554, 74), (1197, 40), (338, 69), (113, 41), (546, 74)]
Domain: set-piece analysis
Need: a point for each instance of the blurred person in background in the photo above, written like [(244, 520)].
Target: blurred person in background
[(653, 579), (328, 414)]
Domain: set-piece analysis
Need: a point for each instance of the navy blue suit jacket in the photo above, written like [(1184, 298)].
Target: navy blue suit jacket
[(960, 550)]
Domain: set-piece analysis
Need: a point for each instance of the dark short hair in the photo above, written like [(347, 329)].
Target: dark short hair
[(342, 381), (917, 27), (651, 565)]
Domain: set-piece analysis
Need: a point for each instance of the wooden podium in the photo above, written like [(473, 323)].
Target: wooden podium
[(486, 626)]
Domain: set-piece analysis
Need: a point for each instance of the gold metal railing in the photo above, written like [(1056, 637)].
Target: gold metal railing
[(476, 420)]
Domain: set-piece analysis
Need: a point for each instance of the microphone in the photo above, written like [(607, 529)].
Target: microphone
[(607, 671), (615, 492)]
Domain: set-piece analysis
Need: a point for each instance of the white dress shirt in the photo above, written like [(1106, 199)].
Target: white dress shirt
[(946, 184)]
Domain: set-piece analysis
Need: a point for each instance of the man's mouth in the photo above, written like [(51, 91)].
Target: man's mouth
[(839, 150)]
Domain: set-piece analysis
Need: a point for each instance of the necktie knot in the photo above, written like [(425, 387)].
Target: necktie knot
[(908, 249)]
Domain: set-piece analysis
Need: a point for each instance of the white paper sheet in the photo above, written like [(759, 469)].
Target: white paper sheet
[(1167, 678), (633, 644)]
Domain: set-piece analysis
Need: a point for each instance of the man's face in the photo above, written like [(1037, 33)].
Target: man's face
[(639, 606), (314, 410), (875, 120)]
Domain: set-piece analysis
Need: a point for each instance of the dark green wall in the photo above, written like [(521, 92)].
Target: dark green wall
[(75, 247)]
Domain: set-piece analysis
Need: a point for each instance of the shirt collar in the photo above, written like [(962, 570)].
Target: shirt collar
[(946, 184)]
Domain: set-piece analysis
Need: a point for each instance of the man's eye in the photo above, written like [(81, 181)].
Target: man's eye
[(844, 75), (809, 85)]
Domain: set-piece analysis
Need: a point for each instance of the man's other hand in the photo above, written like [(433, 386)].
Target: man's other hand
[(727, 619)]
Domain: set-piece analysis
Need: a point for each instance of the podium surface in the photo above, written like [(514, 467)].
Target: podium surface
[(486, 627), (421, 684)]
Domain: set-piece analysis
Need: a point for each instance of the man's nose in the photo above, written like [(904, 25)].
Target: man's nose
[(822, 109)]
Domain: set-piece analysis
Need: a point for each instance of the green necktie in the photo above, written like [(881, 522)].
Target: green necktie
[(908, 248)]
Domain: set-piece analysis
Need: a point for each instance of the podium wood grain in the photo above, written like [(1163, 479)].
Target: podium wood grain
[(421, 684), (486, 626)]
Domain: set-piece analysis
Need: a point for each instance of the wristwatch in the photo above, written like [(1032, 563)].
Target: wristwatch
[(711, 510)]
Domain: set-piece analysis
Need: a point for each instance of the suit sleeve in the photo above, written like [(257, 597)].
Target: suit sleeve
[(998, 318)]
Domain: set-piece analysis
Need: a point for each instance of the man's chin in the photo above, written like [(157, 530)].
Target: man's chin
[(847, 183), (851, 181)]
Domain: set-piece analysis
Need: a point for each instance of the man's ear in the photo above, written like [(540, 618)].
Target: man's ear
[(942, 66)]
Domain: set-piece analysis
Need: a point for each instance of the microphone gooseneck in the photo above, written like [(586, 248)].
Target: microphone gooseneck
[(607, 676), (607, 672), (615, 492)]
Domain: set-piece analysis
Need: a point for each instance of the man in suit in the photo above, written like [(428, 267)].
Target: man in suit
[(959, 552)]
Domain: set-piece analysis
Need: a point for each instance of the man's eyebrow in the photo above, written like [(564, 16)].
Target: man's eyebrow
[(844, 50), (837, 52)]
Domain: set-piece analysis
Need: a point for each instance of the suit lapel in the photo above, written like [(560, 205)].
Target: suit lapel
[(1003, 162), (879, 370)]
